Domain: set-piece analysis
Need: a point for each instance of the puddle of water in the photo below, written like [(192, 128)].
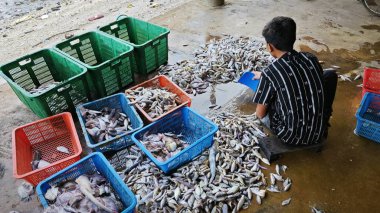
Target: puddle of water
[(346, 59)]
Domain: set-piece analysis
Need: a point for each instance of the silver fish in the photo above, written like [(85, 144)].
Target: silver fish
[(286, 202), (219, 61), (25, 190)]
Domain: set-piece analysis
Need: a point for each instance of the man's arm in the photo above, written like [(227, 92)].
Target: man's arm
[(261, 110), (263, 96)]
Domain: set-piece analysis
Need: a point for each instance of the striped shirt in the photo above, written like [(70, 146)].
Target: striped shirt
[(292, 87)]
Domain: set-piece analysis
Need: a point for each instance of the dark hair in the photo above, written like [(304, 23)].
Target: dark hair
[(281, 33)]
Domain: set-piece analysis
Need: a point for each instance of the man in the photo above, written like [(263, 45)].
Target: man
[(294, 97)]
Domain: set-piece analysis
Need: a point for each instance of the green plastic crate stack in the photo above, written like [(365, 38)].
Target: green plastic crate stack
[(150, 41), (47, 82), (109, 61)]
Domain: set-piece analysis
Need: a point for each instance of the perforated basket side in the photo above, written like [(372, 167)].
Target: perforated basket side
[(196, 130), (45, 136), (42, 67), (368, 117), (117, 101), (162, 81), (94, 162)]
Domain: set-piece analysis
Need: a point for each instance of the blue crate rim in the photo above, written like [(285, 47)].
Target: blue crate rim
[(129, 52), (41, 195), (137, 45), (155, 160), (83, 126), (358, 116), (63, 83)]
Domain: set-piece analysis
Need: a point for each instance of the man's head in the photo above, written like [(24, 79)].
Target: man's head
[(280, 35)]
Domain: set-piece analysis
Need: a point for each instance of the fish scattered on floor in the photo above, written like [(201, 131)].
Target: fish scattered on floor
[(345, 77), (225, 178), (315, 210), (44, 87), (163, 146), (154, 101), (25, 190), (286, 202), (219, 61), (88, 193), (105, 124)]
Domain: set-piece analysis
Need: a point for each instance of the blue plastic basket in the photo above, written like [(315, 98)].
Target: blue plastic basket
[(368, 117), (95, 162), (117, 101), (196, 130)]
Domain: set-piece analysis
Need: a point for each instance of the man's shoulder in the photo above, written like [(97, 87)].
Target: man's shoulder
[(309, 55)]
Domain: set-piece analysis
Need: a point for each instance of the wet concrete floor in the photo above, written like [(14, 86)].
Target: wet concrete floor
[(344, 176)]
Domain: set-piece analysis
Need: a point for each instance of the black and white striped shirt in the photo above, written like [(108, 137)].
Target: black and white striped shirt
[(292, 87)]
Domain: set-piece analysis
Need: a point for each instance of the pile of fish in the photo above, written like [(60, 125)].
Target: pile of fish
[(226, 178), (25, 191), (154, 101), (43, 87), (89, 193), (105, 124), (39, 163), (219, 61), (163, 145)]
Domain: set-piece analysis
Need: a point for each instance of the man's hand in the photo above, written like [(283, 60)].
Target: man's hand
[(261, 110), (257, 75)]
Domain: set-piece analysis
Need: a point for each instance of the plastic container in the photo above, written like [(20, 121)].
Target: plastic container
[(162, 81), (196, 130), (371, 80), (45, 135), (108, 60), (247, 79), (368, 117), (46, 66), (150, 41), (94, 162), (117, 101)]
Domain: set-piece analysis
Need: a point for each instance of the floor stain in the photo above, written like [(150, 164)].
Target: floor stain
[(209, 37), (348, 60), (371, 27)]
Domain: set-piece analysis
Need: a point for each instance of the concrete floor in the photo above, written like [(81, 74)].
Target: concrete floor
[(344, 177)]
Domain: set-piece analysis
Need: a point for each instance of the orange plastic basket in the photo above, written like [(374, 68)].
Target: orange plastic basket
[(162, 81), (45, 135)]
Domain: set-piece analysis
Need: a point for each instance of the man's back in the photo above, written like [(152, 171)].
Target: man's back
[(292, 88)]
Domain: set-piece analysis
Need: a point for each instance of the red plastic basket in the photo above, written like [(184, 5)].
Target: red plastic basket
[(371, 81), (163, 82), (45, 135)]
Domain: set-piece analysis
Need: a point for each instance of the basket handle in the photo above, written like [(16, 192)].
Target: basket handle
[(121, 16), (74, 42), (156, 42), (115, 62), (66, 87), (25, 61)]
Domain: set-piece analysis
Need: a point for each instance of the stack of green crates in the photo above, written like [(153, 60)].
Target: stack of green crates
[(41, 68), (150, 41), (109, 61)]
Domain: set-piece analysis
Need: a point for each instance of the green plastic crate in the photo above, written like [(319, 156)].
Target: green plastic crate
[(150, 41), (109, 61), (42, 67)]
